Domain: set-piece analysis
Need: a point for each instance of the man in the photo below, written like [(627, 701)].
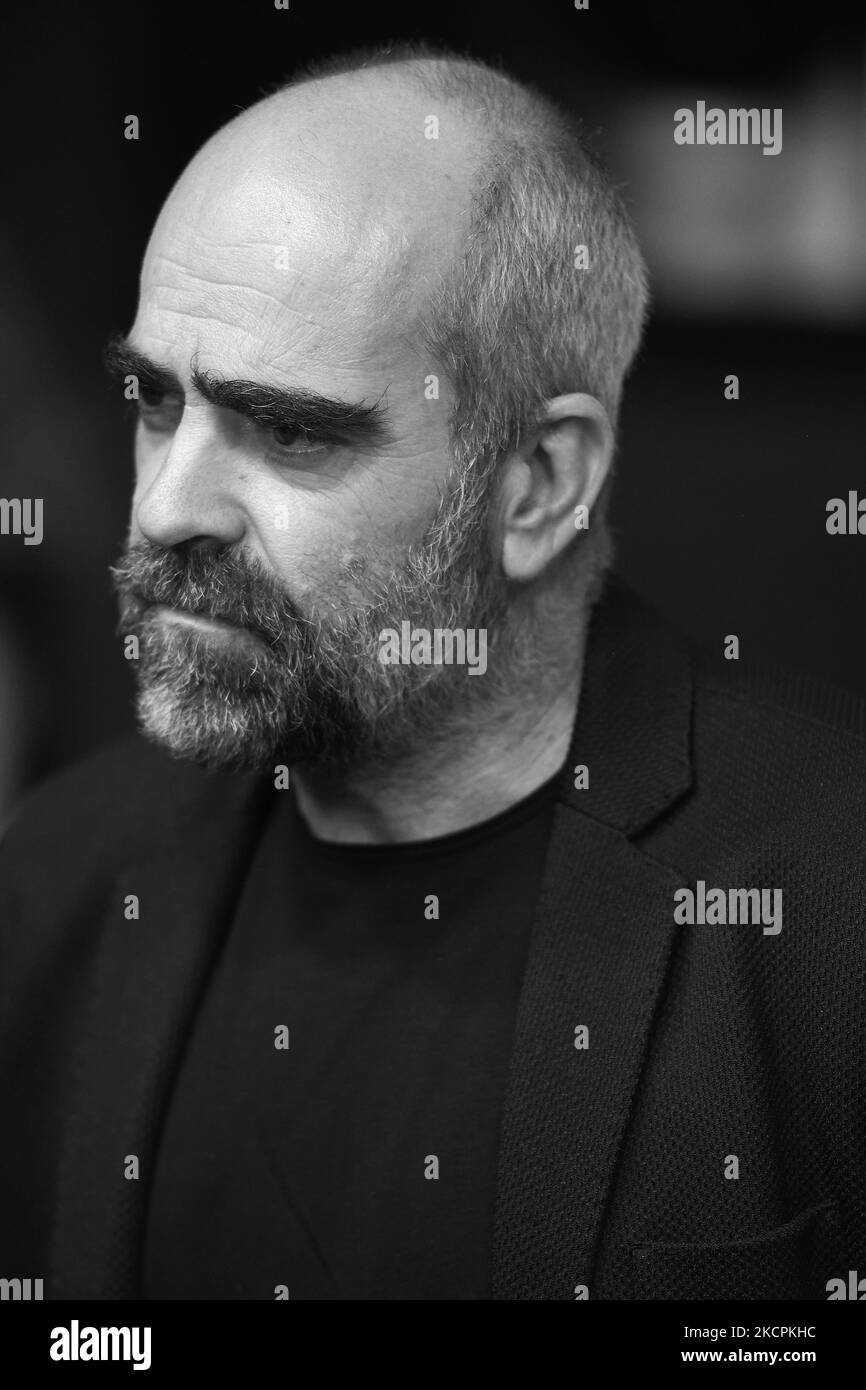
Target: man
[(450, 935)]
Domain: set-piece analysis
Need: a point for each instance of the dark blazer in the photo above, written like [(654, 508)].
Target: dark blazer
[(707, 1043)]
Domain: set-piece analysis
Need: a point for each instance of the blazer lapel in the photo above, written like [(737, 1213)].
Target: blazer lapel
[(150, 975), (598, 956)]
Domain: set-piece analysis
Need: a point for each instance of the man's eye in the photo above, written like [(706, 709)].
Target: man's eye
[(158, 411), (295, 441), (154, 405)]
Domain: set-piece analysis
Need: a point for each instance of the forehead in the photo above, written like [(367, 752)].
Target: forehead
[(308, 234), (264, 272)]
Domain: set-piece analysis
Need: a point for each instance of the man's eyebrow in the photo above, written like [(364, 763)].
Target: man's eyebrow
[(272, 407), (121, 359), (277, 407)]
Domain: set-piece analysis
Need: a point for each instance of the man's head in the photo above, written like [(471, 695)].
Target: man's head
[(388, 382)]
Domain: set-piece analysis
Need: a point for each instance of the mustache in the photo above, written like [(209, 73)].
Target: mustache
[(215, 582)]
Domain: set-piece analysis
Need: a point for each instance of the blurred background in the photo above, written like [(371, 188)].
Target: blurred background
[(758, 269)]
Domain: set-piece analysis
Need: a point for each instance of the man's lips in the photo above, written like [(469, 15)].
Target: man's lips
[(205, 622)]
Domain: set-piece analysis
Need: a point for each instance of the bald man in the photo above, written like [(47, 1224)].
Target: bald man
[(445, 933)]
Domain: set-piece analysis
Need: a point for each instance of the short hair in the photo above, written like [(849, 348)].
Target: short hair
[(522, 314)]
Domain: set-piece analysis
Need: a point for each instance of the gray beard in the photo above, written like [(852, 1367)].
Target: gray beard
[(312, 689)]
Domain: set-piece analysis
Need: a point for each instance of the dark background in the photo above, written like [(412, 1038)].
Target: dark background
[(756, 263)]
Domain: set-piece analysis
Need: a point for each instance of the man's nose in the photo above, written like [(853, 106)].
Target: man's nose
[(189, 493)]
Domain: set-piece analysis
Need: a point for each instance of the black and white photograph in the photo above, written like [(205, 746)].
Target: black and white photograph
[(432, 671)]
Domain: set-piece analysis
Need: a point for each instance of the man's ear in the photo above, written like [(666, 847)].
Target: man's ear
[(548, 482)]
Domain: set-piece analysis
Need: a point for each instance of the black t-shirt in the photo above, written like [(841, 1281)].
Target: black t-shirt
[(360, 1161)]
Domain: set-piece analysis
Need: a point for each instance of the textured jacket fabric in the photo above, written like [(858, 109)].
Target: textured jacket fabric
[(684, 1115)]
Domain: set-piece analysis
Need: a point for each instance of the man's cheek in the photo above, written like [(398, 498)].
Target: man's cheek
[(304, 561)]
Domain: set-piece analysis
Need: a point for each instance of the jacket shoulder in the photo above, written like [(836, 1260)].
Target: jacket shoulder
[(778, 768), (778, 699), (112, 803)]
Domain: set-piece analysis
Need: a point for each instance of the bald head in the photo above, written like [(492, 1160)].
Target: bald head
[(333, 190)]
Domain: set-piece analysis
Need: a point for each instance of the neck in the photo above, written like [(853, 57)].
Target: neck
[(456, 780)]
